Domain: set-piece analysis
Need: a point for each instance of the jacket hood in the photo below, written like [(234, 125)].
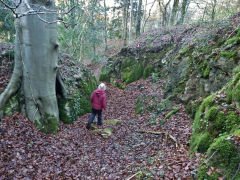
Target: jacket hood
[(99, 92)]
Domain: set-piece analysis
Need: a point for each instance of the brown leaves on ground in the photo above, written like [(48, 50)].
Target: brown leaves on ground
[(77, 153)]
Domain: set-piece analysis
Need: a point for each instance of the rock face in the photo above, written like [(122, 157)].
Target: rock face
[(79, 83), (195, 62)]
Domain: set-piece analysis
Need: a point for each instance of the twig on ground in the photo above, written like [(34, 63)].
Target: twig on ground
[(139, 172), (160, 133)]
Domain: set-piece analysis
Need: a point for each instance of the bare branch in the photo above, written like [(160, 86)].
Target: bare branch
[(9, 7), (69, 10)]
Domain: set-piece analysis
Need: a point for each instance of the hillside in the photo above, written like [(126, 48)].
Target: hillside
[(192, 62)]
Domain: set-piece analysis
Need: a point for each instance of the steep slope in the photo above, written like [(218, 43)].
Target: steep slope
[(194, 62)]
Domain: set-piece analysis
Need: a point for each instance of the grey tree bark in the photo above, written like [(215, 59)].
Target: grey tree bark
[(183, 11), (214, 4), (131, 22), (36, 58), (139, 17), (164, 11), (174, 12), (125, 21), (105, 26)]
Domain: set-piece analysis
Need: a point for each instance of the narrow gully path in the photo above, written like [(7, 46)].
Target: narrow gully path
[(78, 153)]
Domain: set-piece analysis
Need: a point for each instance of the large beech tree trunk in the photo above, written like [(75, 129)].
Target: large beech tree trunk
[(36, 55)]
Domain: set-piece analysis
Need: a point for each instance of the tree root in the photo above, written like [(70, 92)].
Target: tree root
[(167, 135), (15, 82)]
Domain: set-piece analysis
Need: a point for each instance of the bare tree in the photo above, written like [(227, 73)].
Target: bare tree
[(214, 4), (131, 22), (164, 11), (139, 17), (105, 25), (125, 21), (174, 12), (183, 11)]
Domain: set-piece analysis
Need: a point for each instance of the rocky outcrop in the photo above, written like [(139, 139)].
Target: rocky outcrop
[(195, 62)]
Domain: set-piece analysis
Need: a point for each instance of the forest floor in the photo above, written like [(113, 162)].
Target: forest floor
[(129, 148)]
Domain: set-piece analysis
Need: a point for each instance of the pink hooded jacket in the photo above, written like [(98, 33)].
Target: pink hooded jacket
[(98, 99)]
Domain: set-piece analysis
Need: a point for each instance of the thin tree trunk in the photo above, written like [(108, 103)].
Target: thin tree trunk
[(131, 22), (139, 17), (204, 12), (174, 12), (165, 18), (149, 14), (238, 5), (183, 11), (213, 10), (93, 5), (125, 21), (144, 16), (105, 25)]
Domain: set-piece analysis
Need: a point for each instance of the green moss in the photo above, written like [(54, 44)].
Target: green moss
[(218, 124), (238, 31), (128, 61), (198, 120), (64, 110), (201, 142), (147, 71), (11, 106), (233, 40), (204, 69), (201, 124), (202, 172), (211, 113), (206, 72), (236, 69), (226, 156), (48, 124), (112, 121), (79, 102), (228, 54), (232, 121), (236, 93), (184, 50), (105, 74), (236, 79), (192, 108), (220, 42), (174, 111), (139, 105), (132, 73)]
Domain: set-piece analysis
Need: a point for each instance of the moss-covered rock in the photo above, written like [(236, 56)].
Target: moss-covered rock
[(216, 119), (48, 124), (80, 83), (225, 157)]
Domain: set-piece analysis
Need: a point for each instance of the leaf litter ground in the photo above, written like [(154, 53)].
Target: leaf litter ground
[(78, 153)]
